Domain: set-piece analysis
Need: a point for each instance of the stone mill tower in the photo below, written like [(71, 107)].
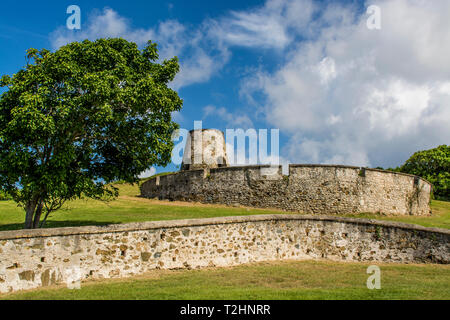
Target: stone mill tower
[(205, 148)]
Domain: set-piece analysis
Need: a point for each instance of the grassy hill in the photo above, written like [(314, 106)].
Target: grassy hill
[(131, 208), (269, 280)]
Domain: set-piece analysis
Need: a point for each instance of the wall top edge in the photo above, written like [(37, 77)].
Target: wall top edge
[(233, 168), (150, 225), (301, 165), (355, 167), (257, 166), (203, 130)]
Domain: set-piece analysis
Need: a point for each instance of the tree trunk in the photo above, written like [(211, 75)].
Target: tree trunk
[(30, 207), (37, 215)]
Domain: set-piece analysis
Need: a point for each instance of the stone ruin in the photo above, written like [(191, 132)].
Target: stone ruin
[(205, 148), (206, 177)]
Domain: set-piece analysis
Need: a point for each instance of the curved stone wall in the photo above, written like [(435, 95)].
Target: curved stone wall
[(35, 258), (315, 189)]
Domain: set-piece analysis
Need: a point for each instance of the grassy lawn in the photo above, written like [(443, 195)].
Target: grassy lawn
[(440, 217), (270, 280), (129, 208)]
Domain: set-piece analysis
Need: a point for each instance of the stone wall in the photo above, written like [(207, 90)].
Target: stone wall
[(314, 189), (35, 258)]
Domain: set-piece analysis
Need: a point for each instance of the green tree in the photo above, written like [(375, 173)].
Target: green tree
[(4, 196), (74, 120), (433, 165)]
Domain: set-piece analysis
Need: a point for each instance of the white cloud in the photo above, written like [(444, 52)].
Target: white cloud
[(231, 120), (197, 64), (177, 117), (268, 26), (107, 23), (147, 173), (204, 49), (358, 96), (326, 70), (341, 92)]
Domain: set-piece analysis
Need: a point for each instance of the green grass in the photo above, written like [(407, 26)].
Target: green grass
[(440, 217), (271, 280), (129, 208), (274, 280)]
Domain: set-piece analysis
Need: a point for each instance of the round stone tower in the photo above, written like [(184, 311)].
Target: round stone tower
[(205, 148)]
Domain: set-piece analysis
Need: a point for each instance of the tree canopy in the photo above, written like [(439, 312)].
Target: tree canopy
[(433, 165), (74, 120)]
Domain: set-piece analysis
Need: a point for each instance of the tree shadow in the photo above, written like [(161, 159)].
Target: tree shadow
[(58, 224)]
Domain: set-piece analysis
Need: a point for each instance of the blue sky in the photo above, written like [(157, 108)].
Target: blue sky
[(338, 91)]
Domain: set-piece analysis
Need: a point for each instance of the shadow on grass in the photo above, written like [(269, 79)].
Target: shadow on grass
[(57, 224)]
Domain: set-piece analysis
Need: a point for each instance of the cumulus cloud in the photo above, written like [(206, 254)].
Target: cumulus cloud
[(147, 173), (364, 97), (200, 65), (340, 92), (231, 120), (104, 24), (199, 60), (204, 49)]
